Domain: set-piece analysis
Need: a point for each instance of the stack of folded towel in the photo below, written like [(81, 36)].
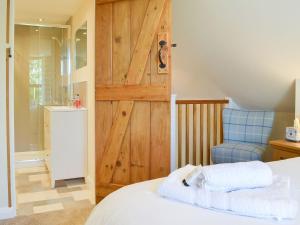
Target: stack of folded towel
[(248, 189)]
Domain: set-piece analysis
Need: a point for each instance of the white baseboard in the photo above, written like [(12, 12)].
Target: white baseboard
[(7, 213)]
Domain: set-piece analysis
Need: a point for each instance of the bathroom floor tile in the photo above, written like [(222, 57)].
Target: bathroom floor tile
[(35, 195), (48, 208), (68, 189), (80, 195), (30, 170)]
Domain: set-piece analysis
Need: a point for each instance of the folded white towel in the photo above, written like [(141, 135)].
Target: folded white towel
[(235, 176), (173, 186), (193, 177), (270, 202)]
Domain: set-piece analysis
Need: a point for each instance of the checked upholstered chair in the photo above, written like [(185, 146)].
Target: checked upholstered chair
[(246, 135)]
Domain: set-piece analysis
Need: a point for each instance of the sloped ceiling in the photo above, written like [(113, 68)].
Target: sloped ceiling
[(51, 11), (248, 50)]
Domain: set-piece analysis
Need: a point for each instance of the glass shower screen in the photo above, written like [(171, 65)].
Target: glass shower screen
[(42, 77)]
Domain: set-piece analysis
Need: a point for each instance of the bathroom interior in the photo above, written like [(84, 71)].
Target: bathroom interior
[(42, 78), (51, 110)]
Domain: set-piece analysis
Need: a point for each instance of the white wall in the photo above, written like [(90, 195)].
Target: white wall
[(247, 50), (297, 98), (86, 76)]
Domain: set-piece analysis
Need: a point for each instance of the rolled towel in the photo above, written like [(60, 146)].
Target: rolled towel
[(271, 202), (234, 176), (173, 187), (193, 177)]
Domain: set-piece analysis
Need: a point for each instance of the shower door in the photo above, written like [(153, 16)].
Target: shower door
[(42, 77)]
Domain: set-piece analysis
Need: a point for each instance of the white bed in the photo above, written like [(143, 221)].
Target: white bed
[(139, 204)]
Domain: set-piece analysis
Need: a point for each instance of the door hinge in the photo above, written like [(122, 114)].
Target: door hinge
[(8, 53)]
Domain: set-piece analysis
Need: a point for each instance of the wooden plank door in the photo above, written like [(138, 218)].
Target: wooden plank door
[(132, 92)]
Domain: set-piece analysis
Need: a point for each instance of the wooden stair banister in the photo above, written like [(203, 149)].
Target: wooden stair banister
[(206, 123)]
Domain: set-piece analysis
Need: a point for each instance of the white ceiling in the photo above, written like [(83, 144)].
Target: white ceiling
[(51, 11)]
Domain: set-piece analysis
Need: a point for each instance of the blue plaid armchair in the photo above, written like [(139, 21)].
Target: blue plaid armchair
[(246, 135)]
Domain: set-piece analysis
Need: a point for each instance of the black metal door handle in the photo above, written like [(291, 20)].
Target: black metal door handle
[(163, 45)]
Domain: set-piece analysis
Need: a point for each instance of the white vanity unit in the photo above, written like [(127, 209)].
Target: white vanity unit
[(65, 141)]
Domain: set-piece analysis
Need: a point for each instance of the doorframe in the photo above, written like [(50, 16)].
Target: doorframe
[(9, 209), (11, 107)]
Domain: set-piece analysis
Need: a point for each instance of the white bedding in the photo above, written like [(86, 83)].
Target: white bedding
[(139, 204)]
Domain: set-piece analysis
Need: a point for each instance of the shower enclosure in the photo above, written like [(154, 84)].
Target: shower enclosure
[(42, 77)]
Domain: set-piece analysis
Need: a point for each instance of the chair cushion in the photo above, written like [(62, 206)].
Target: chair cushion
[(237, 152)]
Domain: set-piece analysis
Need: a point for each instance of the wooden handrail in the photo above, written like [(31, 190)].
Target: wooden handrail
[(203, 101), (204, 119)]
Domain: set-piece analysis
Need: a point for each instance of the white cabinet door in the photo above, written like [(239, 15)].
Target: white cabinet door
[(68, 144), (65, 142)]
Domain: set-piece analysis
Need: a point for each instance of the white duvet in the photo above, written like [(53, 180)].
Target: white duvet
[(139, 204)]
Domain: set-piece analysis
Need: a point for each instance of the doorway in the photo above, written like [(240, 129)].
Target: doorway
[(42, 77)]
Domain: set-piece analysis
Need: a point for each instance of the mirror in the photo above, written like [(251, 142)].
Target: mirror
[(81, 46)]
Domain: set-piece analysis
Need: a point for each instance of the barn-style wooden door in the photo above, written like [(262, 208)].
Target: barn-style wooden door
[(133, 86)]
